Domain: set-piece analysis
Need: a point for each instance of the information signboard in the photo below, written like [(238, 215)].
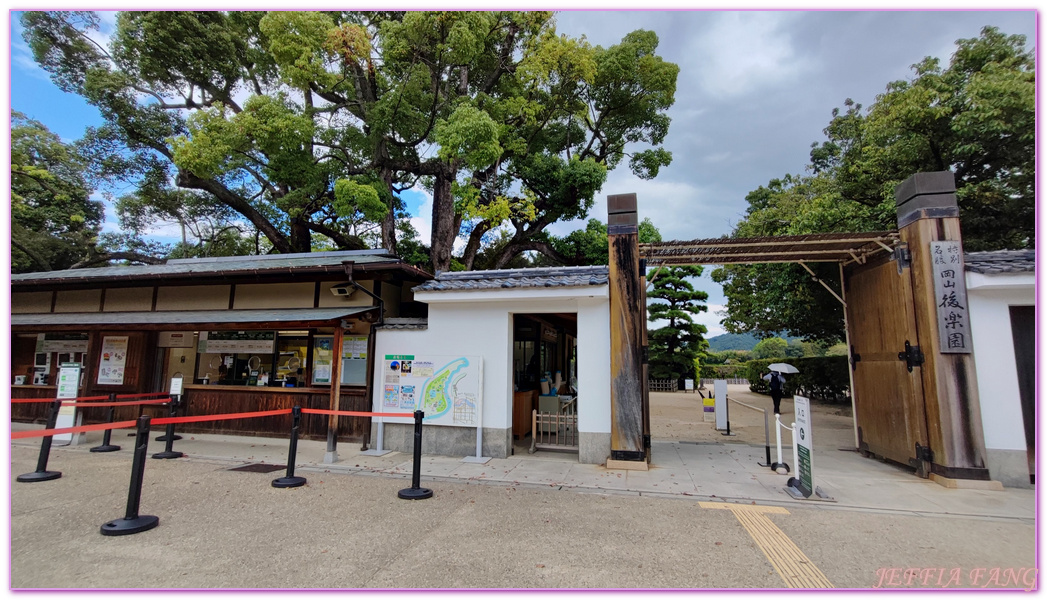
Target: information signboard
[(237, 342), (804, 445), (447, 388), (720, 393), (68, 388)]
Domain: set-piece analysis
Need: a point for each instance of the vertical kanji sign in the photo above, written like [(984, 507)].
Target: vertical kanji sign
[(950, 293)]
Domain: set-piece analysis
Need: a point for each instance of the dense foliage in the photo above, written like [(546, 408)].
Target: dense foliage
[(54, 221), (298, 130), (975, 117)]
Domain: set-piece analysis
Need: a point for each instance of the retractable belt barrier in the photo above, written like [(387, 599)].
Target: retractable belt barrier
[(132, 522)]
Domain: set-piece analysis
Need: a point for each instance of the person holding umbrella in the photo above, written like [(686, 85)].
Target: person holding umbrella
[(776, 379)]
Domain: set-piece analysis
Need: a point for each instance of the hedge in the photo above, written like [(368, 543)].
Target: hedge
[(723, 371), (820, 377)]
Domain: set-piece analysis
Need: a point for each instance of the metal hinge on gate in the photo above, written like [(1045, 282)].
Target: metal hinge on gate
[(924, 453), (903, 256), (855, 357), (644, 355), (912, 356)]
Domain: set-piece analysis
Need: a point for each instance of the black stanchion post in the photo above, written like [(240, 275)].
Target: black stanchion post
[(41, 473), (766, 440), (289, 480), (106, 446), (170, 437), (415, 492), (176, 403), (132, 522)]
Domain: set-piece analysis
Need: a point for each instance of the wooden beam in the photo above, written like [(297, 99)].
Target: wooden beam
[(336, 388), (627, 418)]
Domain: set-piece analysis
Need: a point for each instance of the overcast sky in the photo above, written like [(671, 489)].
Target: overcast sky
[(755, 89)]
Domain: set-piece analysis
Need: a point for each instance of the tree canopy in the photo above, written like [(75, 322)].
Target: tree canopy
[(301, 129), (54, 221), (975, 117)]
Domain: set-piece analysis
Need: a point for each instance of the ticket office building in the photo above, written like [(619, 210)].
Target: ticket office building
[(245, 334)]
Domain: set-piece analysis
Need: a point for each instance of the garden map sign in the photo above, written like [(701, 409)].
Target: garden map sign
[(446, 388)]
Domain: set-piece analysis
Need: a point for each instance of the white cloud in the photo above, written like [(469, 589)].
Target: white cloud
[(711, 320), (423, 219), (745, 51), (681, 210)]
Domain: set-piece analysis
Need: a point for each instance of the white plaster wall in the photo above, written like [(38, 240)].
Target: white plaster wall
[(478, 324), (128, 299), (989, 299), (30, 302)]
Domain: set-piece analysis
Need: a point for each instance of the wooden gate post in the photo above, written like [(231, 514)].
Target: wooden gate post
[(929, 226), (627, 323)]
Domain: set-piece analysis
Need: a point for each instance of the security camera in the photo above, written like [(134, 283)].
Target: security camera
[(342, 289)]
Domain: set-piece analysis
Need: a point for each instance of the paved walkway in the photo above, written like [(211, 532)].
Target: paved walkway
[(727, 471), (706, 515)]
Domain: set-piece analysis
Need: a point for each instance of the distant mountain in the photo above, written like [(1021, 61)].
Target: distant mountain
[(738, 341)]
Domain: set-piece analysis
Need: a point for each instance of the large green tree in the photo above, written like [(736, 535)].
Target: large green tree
[(675, 347), (975, 117), (54, 221), (311, 123)]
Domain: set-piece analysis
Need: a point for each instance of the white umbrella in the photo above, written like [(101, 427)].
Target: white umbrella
[(782, 368)]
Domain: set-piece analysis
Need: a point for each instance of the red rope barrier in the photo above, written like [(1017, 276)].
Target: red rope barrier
[(74, 401), (132, 403), (354, 413), (25, 400), (16, 435), (200, 418), (88, 398)]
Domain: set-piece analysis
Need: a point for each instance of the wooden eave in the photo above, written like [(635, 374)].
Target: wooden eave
[(362, 271), (844, 248)]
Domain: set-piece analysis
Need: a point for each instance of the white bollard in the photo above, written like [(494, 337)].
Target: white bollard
[(780, 468), (778, 436)]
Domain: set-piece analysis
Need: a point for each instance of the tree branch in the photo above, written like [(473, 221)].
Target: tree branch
[(105, 257)]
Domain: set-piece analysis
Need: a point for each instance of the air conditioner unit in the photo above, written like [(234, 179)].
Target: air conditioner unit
[(343, 289)]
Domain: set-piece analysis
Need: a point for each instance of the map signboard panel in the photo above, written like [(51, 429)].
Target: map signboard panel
[(446, 388)]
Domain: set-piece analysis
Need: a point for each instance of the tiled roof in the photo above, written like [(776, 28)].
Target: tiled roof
[(218, 266), (404, 323), (1000, 261), (516, 279)]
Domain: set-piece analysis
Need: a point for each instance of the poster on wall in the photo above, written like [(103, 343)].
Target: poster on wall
[(113, 360), (446, 388)]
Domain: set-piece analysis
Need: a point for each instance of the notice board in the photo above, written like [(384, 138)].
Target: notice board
[(447, 388)]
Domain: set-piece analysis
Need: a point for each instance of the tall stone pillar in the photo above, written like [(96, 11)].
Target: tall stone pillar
[(627, 330), (929, 225)]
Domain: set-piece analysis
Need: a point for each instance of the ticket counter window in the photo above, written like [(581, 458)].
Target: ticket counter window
[(245, 369), (291, 366)]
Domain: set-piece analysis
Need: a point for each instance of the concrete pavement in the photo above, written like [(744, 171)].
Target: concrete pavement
[(530, 521)]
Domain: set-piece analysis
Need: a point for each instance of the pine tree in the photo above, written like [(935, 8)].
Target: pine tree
[(675, 347)]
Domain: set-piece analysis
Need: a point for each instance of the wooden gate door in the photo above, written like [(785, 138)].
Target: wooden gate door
[(888, 394)]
